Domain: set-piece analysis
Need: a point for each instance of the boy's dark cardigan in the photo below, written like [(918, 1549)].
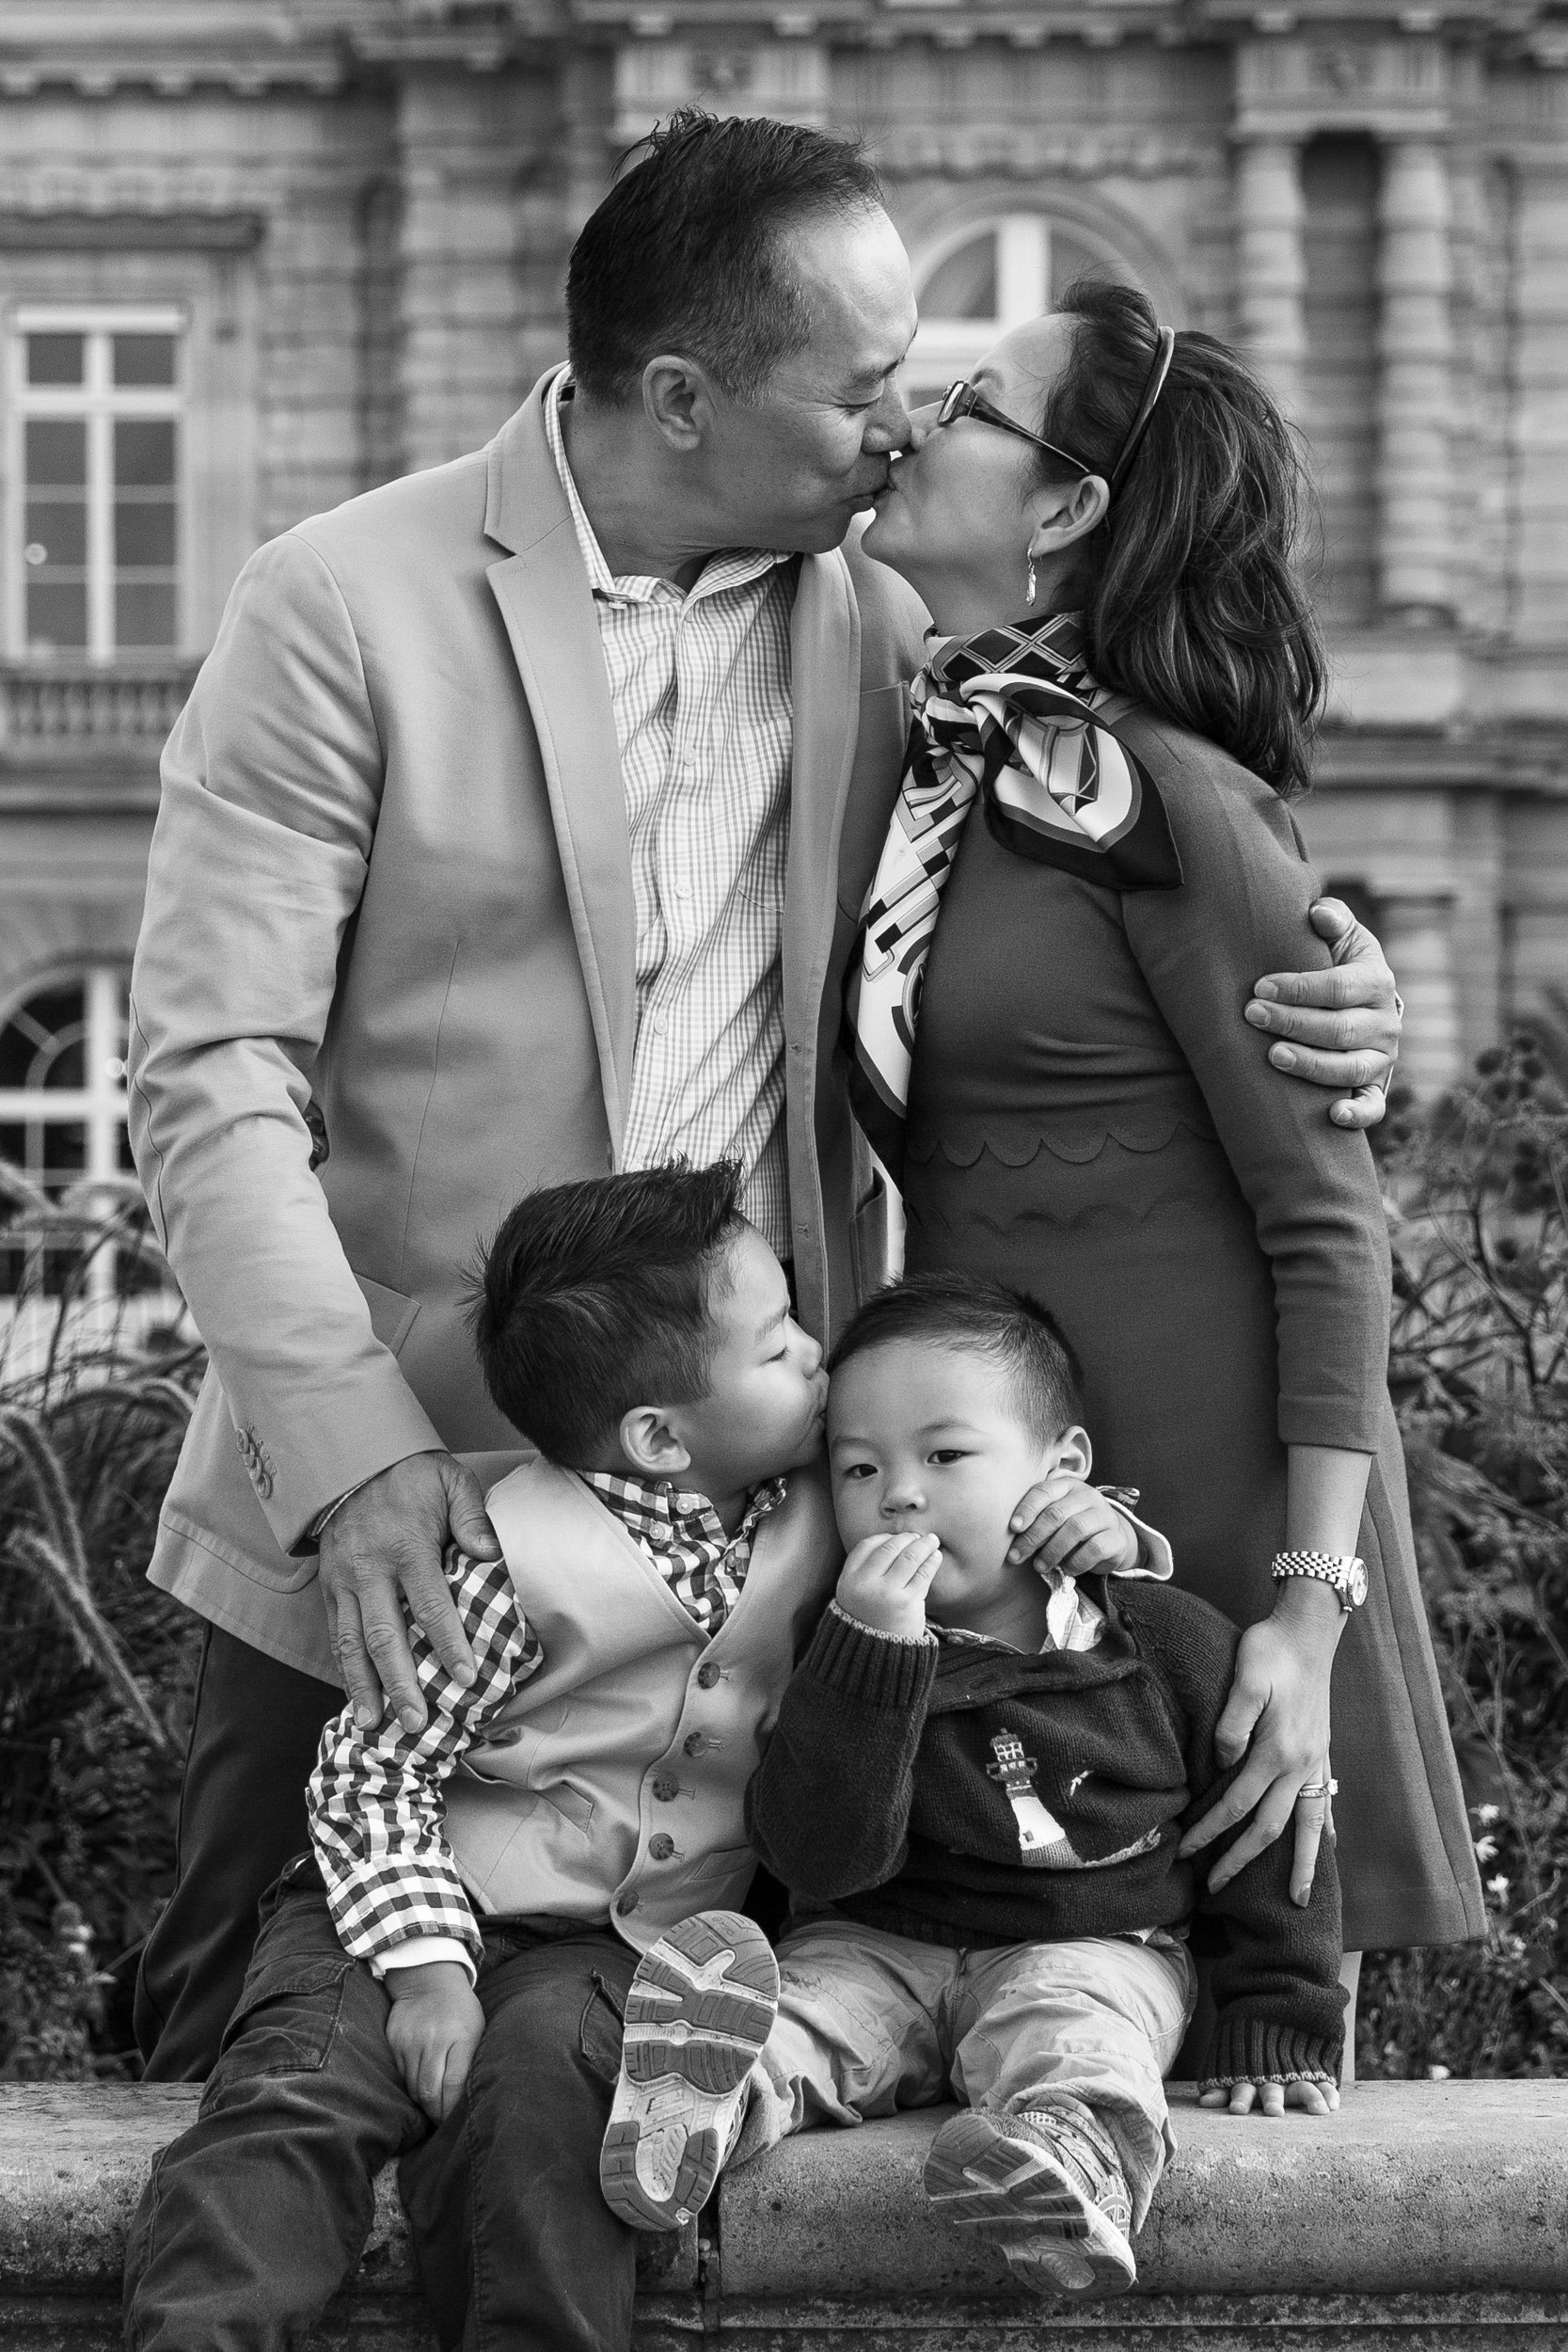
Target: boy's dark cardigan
[(882, 1792)]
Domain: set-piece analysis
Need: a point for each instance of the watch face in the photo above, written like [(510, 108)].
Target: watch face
[(1355, 1585)]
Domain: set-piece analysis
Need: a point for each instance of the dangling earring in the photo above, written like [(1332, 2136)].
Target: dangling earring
[(1029, 592)]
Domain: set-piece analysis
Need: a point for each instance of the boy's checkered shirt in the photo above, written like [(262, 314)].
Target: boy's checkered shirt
[(376, 1796)]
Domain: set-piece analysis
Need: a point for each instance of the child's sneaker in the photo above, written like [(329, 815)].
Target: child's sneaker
[(700, 2005), (1048, 2186)]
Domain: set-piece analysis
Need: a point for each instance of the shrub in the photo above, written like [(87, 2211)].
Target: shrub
[(1479, 1373), (96, 1666)]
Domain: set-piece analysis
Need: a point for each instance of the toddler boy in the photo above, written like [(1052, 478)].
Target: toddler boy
[(975, 1792)]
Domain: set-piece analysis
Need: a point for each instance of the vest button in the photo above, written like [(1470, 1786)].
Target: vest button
[(707, 1674), (695, 1743), (660, 1847), (665, 1787), (624, 1904)]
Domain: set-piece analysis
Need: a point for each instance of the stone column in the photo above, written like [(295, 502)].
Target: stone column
[(464, 141), (1416, 931), (1415, 279), (1270, 258)]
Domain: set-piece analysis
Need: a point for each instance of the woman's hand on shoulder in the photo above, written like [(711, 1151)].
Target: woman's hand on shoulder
[(1338, 1027), (1276, 1716), (1271, 2098)]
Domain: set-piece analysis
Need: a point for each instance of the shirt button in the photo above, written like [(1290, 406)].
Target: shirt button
[(661, 1025), (624, 1904), (664, 1788), (696, 1744), (707, 1674), (660, 1847)]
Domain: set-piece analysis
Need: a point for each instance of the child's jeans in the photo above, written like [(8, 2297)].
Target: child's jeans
[(869, 2023)]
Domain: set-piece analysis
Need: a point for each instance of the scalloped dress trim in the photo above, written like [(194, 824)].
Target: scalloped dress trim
[(1076, 1151)]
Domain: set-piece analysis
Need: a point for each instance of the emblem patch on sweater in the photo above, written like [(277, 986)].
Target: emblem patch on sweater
[(1041, 1838), (1042, 1842)]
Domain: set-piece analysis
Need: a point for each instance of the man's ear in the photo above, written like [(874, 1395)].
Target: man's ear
[(650, 1444), (677, 400), (1074, 1454), (1065, 513)]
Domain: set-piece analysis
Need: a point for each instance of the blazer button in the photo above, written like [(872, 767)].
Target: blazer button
[(707, 1674), (664, 1788), (695, 1743), (624, 1904), (660, 1847)]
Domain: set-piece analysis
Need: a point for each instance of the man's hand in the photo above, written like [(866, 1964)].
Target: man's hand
[(1061, 1523), (390, 1539), (1344, 1024), (884, 1583), (433, 2028), (1274, 2098)]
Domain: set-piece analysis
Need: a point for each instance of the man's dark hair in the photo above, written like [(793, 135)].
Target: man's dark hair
[(979, 1319), (684, 254), (594, 1298)]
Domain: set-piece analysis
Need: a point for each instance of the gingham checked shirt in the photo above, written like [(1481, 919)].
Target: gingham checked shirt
[(375, 1796), (700, 686)]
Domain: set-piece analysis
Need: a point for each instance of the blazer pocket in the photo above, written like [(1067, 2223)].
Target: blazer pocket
[(392, 1312)]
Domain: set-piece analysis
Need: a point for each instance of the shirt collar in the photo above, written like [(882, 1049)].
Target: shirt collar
[(732, 567), (667, 1514)]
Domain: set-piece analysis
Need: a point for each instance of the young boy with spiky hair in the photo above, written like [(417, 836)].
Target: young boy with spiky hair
[(975, 1792)]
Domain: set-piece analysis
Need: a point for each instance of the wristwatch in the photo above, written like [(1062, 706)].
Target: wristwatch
[(1347, 1576)]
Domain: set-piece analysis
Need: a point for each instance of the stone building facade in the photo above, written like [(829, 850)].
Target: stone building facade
[(257, 255)]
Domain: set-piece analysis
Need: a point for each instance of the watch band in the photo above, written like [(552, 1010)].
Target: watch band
[(1343, 1571)]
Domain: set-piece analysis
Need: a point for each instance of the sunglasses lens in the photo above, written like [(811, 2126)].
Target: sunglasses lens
[(952, 404)]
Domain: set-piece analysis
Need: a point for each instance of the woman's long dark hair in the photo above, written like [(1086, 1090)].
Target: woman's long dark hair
[(1192, 606)]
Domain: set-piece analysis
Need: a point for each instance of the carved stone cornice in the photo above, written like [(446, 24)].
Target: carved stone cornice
[(1343, 81), (968, 150)]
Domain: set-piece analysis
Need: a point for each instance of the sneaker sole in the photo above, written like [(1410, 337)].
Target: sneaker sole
[(700, 2005), (1055, 2240)]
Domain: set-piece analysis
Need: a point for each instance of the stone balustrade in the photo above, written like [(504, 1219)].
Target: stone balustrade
[(47, 711), (1425, 2218)]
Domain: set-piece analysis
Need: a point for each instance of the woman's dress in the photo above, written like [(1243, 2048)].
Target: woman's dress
[(1091, 1119)]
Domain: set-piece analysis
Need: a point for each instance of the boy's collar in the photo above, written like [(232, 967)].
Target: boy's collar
[(658, 1508)]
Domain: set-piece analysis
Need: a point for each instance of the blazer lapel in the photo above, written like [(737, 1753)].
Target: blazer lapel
[(548, 607)]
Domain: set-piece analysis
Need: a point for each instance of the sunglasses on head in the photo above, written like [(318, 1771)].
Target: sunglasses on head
[(962, 400)]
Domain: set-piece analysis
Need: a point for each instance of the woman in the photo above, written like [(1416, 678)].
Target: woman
[(1091, 855)]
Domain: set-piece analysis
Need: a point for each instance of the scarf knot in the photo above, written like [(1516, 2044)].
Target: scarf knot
[(1008, 717)]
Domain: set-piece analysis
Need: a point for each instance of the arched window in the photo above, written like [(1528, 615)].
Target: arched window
[(979, 280), (62, 1127)]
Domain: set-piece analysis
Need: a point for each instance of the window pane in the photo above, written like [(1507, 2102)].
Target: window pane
[(144, 452), (56, 450), (54, 358), (144, 533), (144, 359), (55, 531), (57, 614), (144, 613), (963, 286)]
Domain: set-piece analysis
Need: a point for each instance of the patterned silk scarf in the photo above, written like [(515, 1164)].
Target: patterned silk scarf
[(1009, 716)]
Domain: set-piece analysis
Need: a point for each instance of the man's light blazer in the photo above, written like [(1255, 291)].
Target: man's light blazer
[(390, 881)]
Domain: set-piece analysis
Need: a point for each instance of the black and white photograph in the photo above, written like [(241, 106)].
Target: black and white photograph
[(784, 1175)]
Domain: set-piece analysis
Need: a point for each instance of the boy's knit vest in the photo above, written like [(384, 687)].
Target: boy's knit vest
[(614, 1780)]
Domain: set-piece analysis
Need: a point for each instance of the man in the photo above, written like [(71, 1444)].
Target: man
[(516, 829)]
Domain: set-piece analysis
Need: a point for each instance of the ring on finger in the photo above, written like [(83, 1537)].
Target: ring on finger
[(1319, 1789)]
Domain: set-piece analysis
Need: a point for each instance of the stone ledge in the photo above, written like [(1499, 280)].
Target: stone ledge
[(1423, 2215)]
